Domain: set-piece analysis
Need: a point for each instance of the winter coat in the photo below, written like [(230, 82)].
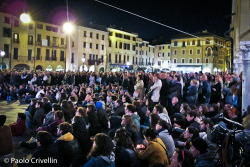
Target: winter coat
[(68, 148), (136, 118), (155, 152), (126, 157), (139, 87), (18, 128), (167, 139), (204, 92), (228, 96), (100, 161), (115, 123), (102, 116), (38, 117), (156, 90), (192, 94)]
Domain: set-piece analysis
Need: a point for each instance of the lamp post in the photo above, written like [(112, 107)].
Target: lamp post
[(26, 19), (68, 28), (2, 53), (83, 61)]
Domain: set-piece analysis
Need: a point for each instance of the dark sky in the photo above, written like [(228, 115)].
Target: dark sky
[(188, 15)]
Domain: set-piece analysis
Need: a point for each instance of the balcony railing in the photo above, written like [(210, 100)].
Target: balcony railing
[(50, 58), (23, 58)]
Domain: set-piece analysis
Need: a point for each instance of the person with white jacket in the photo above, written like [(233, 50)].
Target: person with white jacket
[(156, 88)]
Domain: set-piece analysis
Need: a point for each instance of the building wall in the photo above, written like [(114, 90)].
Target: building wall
[(91, 47), (162, 55), (117, 39), (23, 38), (195, 54)]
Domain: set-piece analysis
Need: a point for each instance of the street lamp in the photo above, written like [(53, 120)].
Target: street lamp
[(83, 61), (25, 18), (68, 27), (2, 53)]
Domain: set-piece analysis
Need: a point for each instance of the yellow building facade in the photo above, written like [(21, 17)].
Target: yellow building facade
[(35, 45), (206, 53), (122, 49)]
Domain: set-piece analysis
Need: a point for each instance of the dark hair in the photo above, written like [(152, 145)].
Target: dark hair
[(82, 111), (137, 104), (150, 132), (34, 100), (192, 113), (65, 104), (65, 127), (123, 138), (200, 145), (21, 116), (56, 106), (208, 121), (119, 102), (159, 108), (127, 99), (104, 146), (40, 103), (185, 157), (154, 119), (59, 114), (113, 97), (204, 109), (150, 108), (44, 138), (186, 107), (131, 108), (193, 131), (140, 77), (45, 99), (72, 98), (164, 124), (91, 108)]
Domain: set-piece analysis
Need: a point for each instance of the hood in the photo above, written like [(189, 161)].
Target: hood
[(66, 137), (135, 116), (98, 105), (109, 159)]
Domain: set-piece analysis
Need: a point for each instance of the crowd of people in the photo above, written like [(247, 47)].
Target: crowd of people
[(121, 119)]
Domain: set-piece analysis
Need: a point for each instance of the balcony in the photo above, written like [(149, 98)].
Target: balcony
[(23, 59), (50, 58), (38, 42)]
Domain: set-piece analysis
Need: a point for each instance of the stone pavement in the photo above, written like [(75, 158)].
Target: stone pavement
[(10, 109)]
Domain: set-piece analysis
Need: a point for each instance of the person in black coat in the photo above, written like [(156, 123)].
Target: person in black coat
[(81, 134), (102, 117), (115, 123), (204, 90), (93, 120), (125, 155), (192, 93), (45, 150), (216, 91), (68, 146)]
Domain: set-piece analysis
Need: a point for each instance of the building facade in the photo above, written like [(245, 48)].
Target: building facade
[(88, 49), (35, 45), (206, 53), (162, 56), (122, 50)]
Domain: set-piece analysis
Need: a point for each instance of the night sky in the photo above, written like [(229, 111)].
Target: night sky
[(188, 15)]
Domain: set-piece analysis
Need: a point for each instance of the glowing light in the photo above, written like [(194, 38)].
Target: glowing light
[(128, 63), (25, 18), (83, 59), (2, 53), (68, 27)]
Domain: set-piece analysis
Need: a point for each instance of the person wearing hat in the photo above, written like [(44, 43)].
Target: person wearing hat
[(6, 144), (202, 156)]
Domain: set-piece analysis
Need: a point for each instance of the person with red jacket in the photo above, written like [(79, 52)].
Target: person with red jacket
[(19, 127)]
